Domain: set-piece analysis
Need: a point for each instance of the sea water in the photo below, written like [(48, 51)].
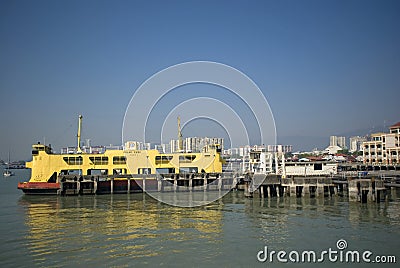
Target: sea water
[(129, 230)]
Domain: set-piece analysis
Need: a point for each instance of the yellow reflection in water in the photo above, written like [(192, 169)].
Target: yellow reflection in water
[(121, 225)]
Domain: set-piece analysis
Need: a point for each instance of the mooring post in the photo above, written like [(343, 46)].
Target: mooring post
[(219, 183), (261, 191), (190, 183), (320, 190), (247, 192), (78, 187), (160, 185), (59, 192), (175, 183), (112, 185)]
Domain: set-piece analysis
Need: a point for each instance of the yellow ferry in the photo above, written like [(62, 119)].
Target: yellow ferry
[(112, 170)]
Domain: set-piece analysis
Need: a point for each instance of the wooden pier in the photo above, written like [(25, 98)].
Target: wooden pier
[(366, 188)]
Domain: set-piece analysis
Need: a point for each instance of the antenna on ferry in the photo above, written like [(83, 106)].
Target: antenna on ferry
[(79, 150), (180, 145)]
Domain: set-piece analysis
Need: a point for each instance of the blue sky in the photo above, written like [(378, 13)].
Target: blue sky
[(325, 67)]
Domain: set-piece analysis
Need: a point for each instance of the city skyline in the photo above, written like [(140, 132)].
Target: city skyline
[(326, 68)]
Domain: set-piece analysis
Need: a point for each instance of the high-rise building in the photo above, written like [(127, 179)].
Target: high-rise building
[(196, 144), (137, 145), (174, 146), (338, 141), (333, 141), (356, 143), (280, 148), (341, 142)]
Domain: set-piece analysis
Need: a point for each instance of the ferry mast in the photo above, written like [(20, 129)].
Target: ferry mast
[(79, 150), (180, 142)]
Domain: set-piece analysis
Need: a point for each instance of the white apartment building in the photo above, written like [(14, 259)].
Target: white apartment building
[(337, 141), (195, 144), (356, 143), (280, 148), (137, 145), (383, 148)]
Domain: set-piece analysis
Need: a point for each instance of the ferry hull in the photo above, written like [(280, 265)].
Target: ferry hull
[(40, 188)]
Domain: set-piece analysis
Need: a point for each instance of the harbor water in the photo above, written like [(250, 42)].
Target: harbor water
[(136, 230)]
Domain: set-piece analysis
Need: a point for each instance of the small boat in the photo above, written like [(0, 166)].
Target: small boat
[(7, 172)]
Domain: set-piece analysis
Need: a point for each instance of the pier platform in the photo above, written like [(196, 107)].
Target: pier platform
[(366, 188), (103, 184)]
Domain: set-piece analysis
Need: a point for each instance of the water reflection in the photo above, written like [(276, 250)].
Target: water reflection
[(127, 230), (303, 222), (65, 229), (387, 212)]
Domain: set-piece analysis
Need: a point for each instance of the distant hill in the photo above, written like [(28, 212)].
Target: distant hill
[(307, 143), (364, 132)]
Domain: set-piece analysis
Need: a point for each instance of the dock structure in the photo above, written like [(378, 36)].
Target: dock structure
[(117, 184), (364, 189), (274, 185), (361, 187)]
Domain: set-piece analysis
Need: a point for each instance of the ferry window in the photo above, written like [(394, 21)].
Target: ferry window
[(163, 159), (144, 170), (119, 160), (165, 170), (186, 158), (72, 160), (71, 172), (119, 171), (97, 172), (99, 160), (189, 170)]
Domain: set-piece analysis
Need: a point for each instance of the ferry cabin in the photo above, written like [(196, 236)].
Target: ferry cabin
[(47, 166)]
